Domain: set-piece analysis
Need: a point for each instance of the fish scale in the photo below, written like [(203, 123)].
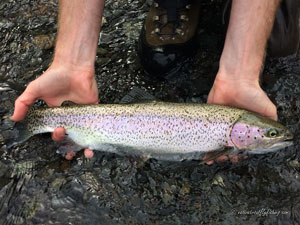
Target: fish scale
[(162, 127), (149, 129)]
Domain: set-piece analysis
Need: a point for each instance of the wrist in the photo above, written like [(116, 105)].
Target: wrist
[(75, 56), (73, 69), (71, 65), (235, 79), (242, 70)]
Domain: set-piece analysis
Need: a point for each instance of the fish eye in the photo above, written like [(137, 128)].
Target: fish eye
[(272, 132)]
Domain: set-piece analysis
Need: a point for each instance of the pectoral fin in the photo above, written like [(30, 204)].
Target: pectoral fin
[(216, 154)]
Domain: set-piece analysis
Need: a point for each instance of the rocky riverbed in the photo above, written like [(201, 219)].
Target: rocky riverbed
[(38, 186)]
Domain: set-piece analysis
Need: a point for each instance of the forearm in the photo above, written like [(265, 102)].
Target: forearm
[(78, 32), (249, 28)]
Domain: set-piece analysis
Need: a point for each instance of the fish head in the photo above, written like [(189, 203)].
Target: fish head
[(258, 134)]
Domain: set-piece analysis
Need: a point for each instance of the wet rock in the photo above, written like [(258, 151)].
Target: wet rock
[(142, 217), (185, 189), (24, 167), (294, 163), (2, 139), (18, 220), (5, 23), (57, 184), (14, 48), (65, 202), (116, 190), (240, 185), (102, 61), (3, 169), (44, 41), (218, 181), (103, 21), (102, 51), (167, 198)]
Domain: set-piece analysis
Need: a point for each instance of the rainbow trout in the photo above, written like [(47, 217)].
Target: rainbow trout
[(169, 131)]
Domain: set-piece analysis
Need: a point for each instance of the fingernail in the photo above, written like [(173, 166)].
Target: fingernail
[(210, 162)]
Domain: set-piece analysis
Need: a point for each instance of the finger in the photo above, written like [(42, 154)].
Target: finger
[(263, 105), (58, 134), (210, 162), (206, 157), (222, 158), (210, 96), (271, 111), (273, 117), (22, 105), (234, 159), (237, 158), (70, 155), (88, 153)]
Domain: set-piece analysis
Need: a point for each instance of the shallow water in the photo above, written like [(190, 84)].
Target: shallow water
[(37, 186)]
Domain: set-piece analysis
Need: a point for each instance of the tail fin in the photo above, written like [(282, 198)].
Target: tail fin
[(19, 134)]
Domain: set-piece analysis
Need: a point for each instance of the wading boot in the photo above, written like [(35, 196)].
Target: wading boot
[(168, 37)]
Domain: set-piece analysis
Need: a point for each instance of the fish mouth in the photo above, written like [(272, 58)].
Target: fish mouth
[(274, 146), (281, 143)]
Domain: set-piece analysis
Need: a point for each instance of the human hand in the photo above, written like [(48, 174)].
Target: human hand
[(59, 134), (61, 82), (246, 94)]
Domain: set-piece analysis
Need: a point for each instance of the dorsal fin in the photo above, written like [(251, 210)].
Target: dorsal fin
[(137, 95)]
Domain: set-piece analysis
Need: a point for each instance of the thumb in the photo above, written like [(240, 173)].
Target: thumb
[(22, 104), (264, 106), (210, 97), (270, 111), (57, 101)]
